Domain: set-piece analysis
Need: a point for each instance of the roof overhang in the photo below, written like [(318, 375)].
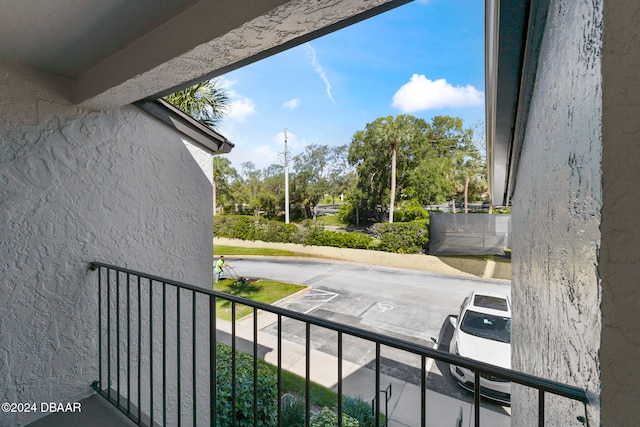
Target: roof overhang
[(110, 53), (203, 136), (513, 31)]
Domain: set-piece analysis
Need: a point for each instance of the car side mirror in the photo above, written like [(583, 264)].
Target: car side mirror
[(453, 320)]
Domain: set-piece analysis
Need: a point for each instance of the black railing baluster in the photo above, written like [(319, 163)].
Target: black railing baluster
[(339, 379), (164, 353), (233, 363), (193, 357), (109, 333), (255, 366), (118, 337), (139, 351), (213, 349), (540, 408), (279, 370), (307, 382), (128, 344), (100, 383), (178, 351), (476, 398), (150, 352), (423, 392), (377, 395)]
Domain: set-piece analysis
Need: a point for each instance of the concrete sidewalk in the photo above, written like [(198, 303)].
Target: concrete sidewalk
[(358, 381)]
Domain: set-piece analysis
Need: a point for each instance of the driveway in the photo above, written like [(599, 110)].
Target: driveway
[(405, 304)]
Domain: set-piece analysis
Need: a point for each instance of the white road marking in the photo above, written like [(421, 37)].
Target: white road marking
[(324, 297), (384, 306)]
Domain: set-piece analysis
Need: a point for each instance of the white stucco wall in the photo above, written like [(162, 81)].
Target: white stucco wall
[(556, 217), (78, 186)]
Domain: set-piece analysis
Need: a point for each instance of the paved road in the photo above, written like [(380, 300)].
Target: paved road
[(406, 304)]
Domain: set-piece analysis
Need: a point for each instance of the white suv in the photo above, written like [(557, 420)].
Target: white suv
[(483, 332)]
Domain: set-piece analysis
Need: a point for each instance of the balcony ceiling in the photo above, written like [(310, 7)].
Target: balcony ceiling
[(69, 37), (106, 53)]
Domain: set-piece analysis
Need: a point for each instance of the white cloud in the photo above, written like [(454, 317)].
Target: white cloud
[(316, 65), (240, 109), (292, 103), (420, 93), (240, 106)]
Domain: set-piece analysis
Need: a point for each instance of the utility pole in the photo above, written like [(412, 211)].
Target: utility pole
[(286, 179)]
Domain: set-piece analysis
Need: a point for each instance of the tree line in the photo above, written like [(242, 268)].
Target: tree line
[(393, 164)]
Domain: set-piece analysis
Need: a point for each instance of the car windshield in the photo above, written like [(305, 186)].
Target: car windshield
[(488, 326)]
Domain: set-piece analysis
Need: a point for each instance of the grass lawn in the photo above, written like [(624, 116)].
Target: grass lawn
[(266, 291), (237, 250)]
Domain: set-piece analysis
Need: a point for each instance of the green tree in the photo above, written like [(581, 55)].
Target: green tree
[(310, 178), (426, 155), (340, 172), (271, 195), (223, 176), (383, 154), (206, 102)]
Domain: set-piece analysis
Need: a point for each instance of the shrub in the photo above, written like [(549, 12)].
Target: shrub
[(314, 234), (352, 239), (274, 231), (267, 391), (405, 237), (329, 418), (293, 412), (410, 212), (234, 227), (359, 410)]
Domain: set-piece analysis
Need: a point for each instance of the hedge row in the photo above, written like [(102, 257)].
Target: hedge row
[(404, 237)]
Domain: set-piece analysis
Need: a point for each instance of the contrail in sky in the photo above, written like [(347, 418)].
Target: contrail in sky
[(319, 70)]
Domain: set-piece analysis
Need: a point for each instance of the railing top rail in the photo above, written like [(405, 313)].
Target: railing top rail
[(528, 380)]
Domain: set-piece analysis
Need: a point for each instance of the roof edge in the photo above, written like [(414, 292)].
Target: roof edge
[(205, 137)]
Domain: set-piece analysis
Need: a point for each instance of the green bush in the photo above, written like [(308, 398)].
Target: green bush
[(329, 418), (293, 413), (267, 391), (353, 239), (234, 227), (410, 212), (359, 410), (274, 231), (405, 237), (312, 233)]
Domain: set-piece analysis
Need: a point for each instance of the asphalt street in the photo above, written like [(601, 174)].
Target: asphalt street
[(405, 304)]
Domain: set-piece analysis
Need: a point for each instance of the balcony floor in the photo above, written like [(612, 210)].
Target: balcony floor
[(96, 412)]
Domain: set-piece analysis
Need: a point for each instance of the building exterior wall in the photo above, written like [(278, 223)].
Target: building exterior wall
[(619, 258), (556, 238), (75, 187)]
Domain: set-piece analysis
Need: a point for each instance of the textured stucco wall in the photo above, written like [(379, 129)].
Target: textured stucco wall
[(76, 186), (619, 256), (556, 217)]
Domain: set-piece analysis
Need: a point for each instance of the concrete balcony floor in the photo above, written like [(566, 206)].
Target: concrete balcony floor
[(96, 412)]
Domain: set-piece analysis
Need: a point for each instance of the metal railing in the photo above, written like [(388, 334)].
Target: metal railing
[(165, 374)]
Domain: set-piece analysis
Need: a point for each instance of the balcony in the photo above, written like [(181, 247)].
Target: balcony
[(165, 358)]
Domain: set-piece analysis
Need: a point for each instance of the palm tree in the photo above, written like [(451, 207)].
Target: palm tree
[(206, 102), (394, 132)]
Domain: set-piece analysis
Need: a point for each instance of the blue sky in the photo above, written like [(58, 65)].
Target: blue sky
[(425, 58)]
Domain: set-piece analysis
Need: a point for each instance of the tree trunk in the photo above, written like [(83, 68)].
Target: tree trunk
[(393, 184), (466, 194), (215, 207)]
